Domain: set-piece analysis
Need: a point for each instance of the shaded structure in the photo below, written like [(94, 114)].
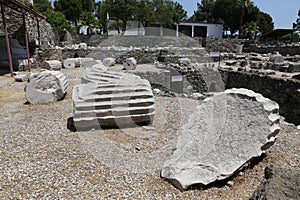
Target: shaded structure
[(24, 10), (276, 34)]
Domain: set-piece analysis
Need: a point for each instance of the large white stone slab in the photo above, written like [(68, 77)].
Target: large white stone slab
[(221, 136)]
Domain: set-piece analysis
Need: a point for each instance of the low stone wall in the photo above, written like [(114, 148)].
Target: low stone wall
[(286, 92), (90, 40), (283, 50)]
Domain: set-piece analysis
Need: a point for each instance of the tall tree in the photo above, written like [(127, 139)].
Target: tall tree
[(42, 5), (88, 5), (244, 8), (119, 10), (57, 20), (265, 22), (297, 24), (228, 11), (204, 11), (179, 13), (88, 20), (70, 8)]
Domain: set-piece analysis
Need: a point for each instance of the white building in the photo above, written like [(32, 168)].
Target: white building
[(199, 29)]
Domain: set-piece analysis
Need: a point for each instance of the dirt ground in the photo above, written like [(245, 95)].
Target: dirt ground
[(41, 159)]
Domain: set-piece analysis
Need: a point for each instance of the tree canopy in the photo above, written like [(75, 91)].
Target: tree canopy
[(296, 25), (238, 16)]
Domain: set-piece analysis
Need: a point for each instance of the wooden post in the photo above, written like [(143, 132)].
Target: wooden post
[(7, 41)]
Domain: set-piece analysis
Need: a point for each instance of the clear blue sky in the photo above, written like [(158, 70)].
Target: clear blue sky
[(283, 12)]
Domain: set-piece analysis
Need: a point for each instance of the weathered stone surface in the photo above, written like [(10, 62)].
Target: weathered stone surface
[(278, 184), (88, 62), (130, 64), (112, 100), (277, 58), (79, 62), (72, 63), (45, 87), (221, 136), (51, 65), (118, 104), (109, 62)]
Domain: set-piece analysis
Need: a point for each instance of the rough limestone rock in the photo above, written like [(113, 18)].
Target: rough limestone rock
[(109, 62), (83, 46), (130, 64), (51, 65), (278, 184), (45, 87), (119, 103), (221, 136), (277, 59), (184, 61)]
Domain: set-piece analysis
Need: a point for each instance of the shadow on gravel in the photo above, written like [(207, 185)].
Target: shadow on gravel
[(71, 125)]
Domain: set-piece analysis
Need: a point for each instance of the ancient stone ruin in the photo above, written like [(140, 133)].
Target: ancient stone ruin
[(222, 135), (46, 86), (111, 100)]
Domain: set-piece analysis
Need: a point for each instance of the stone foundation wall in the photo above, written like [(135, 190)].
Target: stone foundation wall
[(286, 92), (283, 50)]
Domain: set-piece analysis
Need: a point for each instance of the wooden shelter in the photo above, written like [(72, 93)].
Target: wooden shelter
[(24, 10)]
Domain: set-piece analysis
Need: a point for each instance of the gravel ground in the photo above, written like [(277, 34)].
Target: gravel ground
[(41, 159)]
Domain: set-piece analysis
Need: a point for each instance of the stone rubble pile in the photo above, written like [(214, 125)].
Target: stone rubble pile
[(254, 62), (221, 136), (46, 86), (111, 100)]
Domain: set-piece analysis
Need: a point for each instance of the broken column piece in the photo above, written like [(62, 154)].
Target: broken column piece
[(45, 87), (221, 136)]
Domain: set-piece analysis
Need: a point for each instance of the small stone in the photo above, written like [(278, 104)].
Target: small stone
[(184, 61), (197, 96), (21, 78), (156, 91), (138, 148), (230, 183), (83, 46)]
